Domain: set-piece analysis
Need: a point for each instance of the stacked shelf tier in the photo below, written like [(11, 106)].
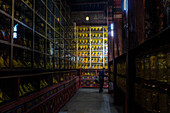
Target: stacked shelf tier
[(92, 47)]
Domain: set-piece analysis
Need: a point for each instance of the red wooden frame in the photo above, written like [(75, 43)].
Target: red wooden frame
[(21, 101)]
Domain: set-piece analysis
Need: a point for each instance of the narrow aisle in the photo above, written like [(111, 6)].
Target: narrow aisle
[(88, 100)]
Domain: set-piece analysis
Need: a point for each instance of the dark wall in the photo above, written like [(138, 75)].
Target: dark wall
[(96, 18)]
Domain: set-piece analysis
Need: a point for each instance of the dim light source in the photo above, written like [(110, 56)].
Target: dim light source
[(58, 19), (87, 18)]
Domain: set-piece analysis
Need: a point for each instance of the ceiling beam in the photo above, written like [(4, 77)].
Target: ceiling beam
[(87, 3), (75, 12)]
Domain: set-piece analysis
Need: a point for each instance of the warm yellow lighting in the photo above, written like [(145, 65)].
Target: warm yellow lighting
[(58, 19), (87, 18)]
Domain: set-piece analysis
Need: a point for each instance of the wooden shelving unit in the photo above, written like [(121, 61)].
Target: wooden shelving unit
[(141, 44), (27, 93), (92, 47), (37, 29), (37, 56), (142, 76)]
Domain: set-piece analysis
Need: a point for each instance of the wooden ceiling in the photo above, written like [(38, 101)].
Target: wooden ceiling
[(87, 5), (81, 1), (95, 9)]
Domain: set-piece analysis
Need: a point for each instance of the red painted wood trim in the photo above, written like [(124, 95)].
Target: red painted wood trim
[(65, 102), (48, 98), (22, 100)]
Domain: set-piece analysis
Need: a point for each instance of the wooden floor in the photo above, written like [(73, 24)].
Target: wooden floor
[(88, 100)]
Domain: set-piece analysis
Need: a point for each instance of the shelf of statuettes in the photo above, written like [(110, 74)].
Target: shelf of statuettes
[(83, 35), (121, 73), (84, 60), (99, 28), (22, 59), (88, 72), (93, 60), (121, 83), (25, 17), (84, 47), (84, 29), (152, 81), (93, 41), (26, 85), (96, 60), (93, 66), (93, 28), (121, 68), (93, 47), (23, 34), (87, 54), (93, 35), (97, 66), (96, 28), (152, 97), (154, 67), (96, 35), (96, 47), (84, 66)]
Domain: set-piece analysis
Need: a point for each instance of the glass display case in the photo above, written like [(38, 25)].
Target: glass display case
[(57, 38), (61, 64), (56, 62), (50, 18), (40, 25), (62, 53), (57, 51), (32, 43), (50, 5), (40, 8), (22, 58), (62, 21), (67, 64), (49, 64), (62, 42), (6, 6), (39, 30), (23, 35), (121, 74), (50, 33), (23, 12), (39, 43), (152, 69), (39, 61), (57, 25), (92, 47)]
